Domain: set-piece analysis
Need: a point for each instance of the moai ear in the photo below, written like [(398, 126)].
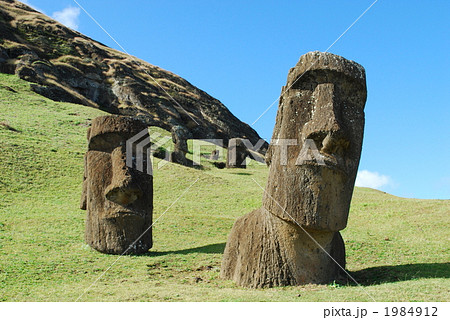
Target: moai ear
[(83, 201)]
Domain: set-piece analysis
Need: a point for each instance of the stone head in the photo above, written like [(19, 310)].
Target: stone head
[(118, 199), (322, 109)]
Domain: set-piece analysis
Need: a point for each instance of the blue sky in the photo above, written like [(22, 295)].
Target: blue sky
[(240, 52)]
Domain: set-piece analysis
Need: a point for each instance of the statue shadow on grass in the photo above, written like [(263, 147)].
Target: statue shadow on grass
[(210, 248), (405, 272), (365, 277)]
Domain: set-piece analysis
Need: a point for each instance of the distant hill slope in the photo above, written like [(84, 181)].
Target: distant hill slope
[(64, 65)]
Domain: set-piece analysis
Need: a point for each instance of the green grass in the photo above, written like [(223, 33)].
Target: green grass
[(398, 249)]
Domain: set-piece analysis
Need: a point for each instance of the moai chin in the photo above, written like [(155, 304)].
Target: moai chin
[(118, 199), (309, 188)]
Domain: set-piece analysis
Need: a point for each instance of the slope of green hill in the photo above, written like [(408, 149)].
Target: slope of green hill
[(397, 248)]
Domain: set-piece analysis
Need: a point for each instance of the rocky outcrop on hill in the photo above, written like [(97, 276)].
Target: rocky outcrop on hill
[(65, 65)]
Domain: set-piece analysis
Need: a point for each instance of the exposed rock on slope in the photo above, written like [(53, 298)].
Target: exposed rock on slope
[(65, 65)]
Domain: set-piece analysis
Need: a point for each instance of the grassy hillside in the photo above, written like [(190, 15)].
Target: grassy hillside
[(398, 249)]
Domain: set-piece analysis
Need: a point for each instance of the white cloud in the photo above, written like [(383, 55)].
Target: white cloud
[(68, 17), (365, 178)]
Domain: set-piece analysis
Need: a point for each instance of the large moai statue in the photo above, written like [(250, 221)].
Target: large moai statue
[(118, 199), (313, 159)]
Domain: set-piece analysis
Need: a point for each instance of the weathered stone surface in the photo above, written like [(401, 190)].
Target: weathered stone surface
[(118, 199), (180, 158), (265, 251), (65, 65), (237, 153), (179, 137), (325, 105), (320, 121)]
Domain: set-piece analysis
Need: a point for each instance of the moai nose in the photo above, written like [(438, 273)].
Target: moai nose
[(327, 108), (326, 127), (122, 189)]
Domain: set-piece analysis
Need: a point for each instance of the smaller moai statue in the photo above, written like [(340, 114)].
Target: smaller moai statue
[(180, 135), (118, 199), (214, 155), (237, 153)]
